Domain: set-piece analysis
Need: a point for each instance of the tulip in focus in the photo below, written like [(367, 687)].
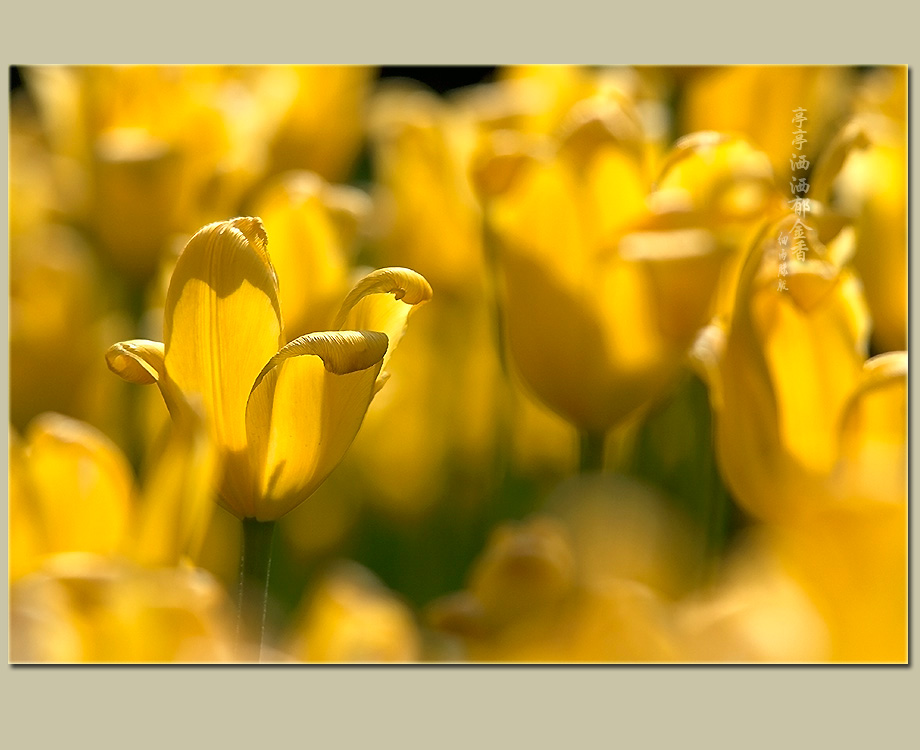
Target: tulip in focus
[(283, 415)]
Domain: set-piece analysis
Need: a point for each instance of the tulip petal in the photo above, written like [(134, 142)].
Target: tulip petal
[(313, 228), (142, 362), (873, 449), (304, 412), (82, 484), (370, 307), (178, 495), (222, 322)]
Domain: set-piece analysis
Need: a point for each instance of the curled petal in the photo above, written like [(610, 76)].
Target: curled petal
[(382, 301), (142, 362), (304, 412), (137, 361)]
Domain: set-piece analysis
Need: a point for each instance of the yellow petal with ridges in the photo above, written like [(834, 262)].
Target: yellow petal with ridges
[(382, 301), (142, 362), (304, 412), (222, 322)]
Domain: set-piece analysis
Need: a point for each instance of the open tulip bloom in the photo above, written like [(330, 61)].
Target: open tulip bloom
[(283, 415)]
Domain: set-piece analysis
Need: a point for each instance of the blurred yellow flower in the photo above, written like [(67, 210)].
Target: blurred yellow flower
[(351, 617), (141, 151), (756, 102), (788, 371), (597, 297), (321, 116), (72, 490), (755, 613), (528, 600), (59, 304), (863, 177), (100, 569), (812, 437), (427, 215), (314, 227), (283, 415), (730, 186), (80, 608)]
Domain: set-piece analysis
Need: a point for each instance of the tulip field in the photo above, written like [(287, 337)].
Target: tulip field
[(537, 364)]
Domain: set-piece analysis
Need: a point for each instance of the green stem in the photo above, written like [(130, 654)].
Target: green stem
[(716, 513), (591, 451), (255, 562)]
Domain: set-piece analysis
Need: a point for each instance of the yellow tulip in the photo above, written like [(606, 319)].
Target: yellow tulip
[(539, 98), (59, 306), (428, 217), (528, 600), (282, 415), (73, 487), (852, 556), (80, 608), (314, 227), (100, 569), (351, 617), (320, 113), (731, 186), (812, 438), (863, 176), (142, 152), (756, 101), (72, 490), (787, 369), (597, 293)]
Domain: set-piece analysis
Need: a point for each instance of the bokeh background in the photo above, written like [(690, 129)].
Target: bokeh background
[(608, 437)]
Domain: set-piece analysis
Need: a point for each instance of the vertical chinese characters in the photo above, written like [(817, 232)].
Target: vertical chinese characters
[(799, 202)]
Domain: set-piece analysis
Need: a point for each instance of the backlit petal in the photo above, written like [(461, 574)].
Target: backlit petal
[(382, 301), (178, 495), (304, 412), (142, 362), (222, 322)]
